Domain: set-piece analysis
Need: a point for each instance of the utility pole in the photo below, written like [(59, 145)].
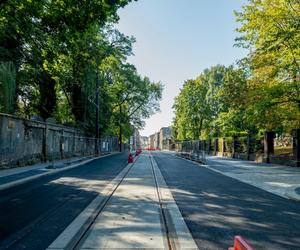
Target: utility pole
[(120, 126), (97, 114)]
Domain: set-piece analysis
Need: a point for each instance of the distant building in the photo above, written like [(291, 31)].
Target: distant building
[(165, 138), (135, 140), (156, 140), (144, 142), (151, 141)]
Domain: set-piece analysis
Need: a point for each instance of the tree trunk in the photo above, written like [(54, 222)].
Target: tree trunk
[(47, 101)]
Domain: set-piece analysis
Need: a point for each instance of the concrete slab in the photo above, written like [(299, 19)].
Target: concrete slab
[(76, 229), (132, 218), (179, 234)]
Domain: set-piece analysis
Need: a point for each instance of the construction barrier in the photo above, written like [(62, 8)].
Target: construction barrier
[(240, 244), (130, 158)]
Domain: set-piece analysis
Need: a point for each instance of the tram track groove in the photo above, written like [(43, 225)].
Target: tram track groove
[(171, 245)]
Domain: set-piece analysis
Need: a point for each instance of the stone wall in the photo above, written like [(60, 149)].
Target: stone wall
[(25, 142)]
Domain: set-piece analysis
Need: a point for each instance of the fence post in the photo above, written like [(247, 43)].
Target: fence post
[(44, 143), (234, 143), (248, 147), (223, 146), (268, 145), (61, 144), (296, 146), (216, 147), (208, 146), (74, 143)]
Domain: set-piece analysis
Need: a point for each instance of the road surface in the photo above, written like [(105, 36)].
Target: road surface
[(216, 208), (34, 214)]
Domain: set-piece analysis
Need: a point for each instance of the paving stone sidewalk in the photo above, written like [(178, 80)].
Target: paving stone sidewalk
[(277, 179), (20, 173)]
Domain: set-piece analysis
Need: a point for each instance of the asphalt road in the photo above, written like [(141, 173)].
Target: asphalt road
[(32, 215), (216, 208)]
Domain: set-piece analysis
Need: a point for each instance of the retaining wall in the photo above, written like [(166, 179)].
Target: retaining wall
[(25, 142)]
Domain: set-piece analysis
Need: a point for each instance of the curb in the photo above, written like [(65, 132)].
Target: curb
[(179, 234), (50, 172), (285, 195), (75, 231)]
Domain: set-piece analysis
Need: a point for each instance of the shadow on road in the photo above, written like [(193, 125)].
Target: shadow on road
[(217, 207)]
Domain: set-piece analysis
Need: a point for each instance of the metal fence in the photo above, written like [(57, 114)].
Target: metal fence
[(272, 148)]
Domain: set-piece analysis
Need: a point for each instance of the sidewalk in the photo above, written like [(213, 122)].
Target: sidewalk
[(280, 180), (16, 176)]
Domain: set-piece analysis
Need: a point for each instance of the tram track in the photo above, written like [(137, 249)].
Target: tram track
[(74, 245), (80, 239), (151, 218), (165, 225)]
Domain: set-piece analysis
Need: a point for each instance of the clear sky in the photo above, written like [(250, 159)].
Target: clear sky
[(176, 41)]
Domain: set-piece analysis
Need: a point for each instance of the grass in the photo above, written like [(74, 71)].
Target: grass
[(283, 150)]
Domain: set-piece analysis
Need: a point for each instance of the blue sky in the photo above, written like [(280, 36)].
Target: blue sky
[(176, 41)]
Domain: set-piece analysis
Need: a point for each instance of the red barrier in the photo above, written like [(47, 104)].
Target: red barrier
[(150, 149), (130, 158), (138, 151), (240, 244)]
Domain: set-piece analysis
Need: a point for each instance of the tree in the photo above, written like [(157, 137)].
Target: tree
[(271, 29), (213, 105), (7, 87), (134, 98), (35, 35)]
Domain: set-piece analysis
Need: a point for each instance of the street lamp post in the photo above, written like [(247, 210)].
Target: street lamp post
[(97, 114), (95, 101)]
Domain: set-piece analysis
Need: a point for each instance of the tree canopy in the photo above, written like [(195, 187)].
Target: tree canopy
[(51, 52), (260, 92)]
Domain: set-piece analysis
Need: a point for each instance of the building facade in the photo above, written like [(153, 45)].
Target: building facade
[(144, 142), (151, 141), (165, 138)]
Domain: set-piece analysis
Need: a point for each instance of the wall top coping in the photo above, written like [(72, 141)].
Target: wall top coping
[(41, 123), (54, 126)]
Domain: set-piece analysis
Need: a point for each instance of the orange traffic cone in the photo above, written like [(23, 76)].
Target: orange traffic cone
[(240, 244), (130, 158)]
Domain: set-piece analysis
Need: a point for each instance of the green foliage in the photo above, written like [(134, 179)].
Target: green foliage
[(7, 87), (133, 98), (198, 105), (262, 92), (57, 48), (271, 29)]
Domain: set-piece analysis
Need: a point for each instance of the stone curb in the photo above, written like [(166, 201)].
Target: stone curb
[(70, 236), (49, 172), (290, 196), (179, 234)]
